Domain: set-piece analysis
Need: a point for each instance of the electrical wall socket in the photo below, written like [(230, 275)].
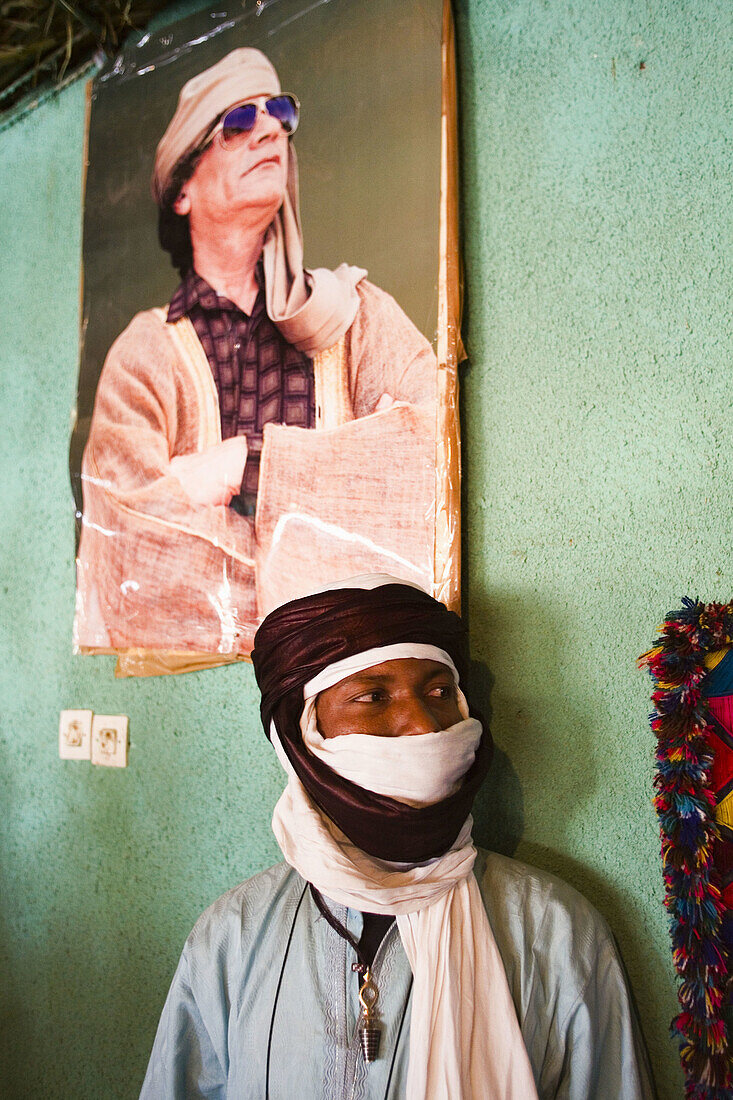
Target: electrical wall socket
[(75, 734), (109, 740)]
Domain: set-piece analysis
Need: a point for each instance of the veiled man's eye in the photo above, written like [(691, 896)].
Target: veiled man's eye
[(374, 696)]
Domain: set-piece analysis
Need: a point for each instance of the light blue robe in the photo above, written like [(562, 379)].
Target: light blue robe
[(236, 995)]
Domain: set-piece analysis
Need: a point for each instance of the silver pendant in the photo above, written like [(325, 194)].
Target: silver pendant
[(369, 1032), (369, 1037)]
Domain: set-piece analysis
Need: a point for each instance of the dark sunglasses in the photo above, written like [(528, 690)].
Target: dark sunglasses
[(242, 118)]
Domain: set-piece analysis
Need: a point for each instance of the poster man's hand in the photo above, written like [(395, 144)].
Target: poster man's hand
[(212, 476)]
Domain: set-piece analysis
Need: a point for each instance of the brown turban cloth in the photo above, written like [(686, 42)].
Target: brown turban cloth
[(312, 309), (299, 639)]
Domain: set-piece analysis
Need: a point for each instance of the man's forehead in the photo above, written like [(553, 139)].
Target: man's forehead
[(407, 668)]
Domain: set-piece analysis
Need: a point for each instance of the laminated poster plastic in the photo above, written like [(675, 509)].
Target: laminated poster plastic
[(220, 464)]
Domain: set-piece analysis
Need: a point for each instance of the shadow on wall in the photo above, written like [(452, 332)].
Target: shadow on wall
[(498, 811), (537, 715)]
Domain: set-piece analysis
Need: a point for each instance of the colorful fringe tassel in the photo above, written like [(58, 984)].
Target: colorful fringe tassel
[(685, 804)]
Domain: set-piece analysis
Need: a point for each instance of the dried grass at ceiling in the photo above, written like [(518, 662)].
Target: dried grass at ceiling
[(44, 42)]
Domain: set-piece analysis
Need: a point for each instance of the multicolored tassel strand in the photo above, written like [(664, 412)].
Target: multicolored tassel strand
[(685, 804)]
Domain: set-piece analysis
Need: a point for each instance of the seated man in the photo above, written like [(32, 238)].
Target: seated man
[(387, 957)]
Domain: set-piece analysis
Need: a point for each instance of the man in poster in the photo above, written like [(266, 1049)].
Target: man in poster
[(182, 546)]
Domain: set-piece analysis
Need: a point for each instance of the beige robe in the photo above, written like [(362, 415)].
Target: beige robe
[(157, 572)]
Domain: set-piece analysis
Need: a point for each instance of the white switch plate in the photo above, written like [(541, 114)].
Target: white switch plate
[(109, 740), (75, 735)]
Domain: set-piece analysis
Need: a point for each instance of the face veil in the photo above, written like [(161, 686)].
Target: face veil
[(298, 641)]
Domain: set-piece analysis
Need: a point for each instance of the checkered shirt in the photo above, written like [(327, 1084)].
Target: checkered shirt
[(259, 377)]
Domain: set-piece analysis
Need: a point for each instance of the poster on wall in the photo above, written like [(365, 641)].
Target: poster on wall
[(267, 386)]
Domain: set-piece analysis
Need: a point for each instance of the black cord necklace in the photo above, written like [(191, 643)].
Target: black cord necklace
[(277, 993), (370, 1033), (361, 968)]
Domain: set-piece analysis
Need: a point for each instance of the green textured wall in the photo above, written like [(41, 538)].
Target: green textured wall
[(598, 464)]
